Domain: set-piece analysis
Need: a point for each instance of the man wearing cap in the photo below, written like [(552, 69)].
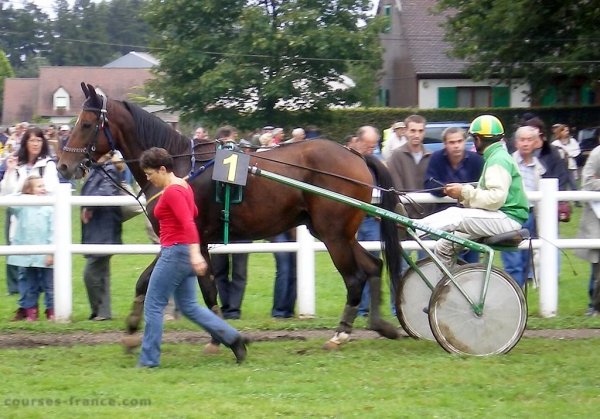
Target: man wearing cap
[(497, 205), (395, 139)]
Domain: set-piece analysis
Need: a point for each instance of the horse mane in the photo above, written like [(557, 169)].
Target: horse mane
[(154, 132)]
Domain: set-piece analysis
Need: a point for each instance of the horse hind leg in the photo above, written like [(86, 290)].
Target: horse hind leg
[(132, 340), (208, 287)]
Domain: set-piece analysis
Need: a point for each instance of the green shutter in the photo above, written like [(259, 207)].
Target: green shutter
[(500, 97), (586, 96), (447, 97), (387, 12), (549, 97)]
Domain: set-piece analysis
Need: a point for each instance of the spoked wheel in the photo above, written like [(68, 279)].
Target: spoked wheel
[(412, 299), (459, 329)]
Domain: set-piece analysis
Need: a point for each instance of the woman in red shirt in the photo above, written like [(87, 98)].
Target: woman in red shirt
[(179, 262)]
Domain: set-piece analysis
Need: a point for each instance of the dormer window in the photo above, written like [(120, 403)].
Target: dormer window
[(61, 100)]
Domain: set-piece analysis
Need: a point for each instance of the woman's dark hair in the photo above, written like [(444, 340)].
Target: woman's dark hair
[(155, 157), (23, 153)]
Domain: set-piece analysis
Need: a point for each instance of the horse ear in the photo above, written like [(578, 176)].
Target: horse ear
[(85, 90), (92, 91)]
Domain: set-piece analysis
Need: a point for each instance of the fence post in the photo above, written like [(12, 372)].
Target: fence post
[(547, 226), (63, 282), (305, 272)]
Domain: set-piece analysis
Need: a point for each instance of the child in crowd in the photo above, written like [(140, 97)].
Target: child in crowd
[(34, 226)]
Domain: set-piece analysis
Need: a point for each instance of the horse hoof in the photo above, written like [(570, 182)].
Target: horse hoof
[(331, 346), (385, 329), (211, 349), (336, 341), (131, 342)]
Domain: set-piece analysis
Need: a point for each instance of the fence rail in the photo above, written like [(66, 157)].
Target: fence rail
[(305, 246)]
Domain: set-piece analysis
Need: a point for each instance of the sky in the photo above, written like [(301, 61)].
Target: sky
[(47, 5)]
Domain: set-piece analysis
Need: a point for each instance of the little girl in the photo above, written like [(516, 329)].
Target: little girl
[(34, 226)]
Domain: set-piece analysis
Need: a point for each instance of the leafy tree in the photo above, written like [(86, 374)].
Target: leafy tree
[(544, 42), (224, 56), (6, 71), (23, 34)]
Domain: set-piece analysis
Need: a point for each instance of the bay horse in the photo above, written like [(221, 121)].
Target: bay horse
[(267, 209)]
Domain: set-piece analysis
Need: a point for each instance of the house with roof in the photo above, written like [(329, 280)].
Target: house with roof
[(56, 94), (417, 71)]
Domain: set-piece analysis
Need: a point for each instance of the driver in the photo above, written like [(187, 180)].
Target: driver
[(497, 204)]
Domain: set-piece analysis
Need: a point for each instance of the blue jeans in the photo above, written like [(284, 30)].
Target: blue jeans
[(517, 263), (32, 282), (368, 231), (284, 291), (173, 274)]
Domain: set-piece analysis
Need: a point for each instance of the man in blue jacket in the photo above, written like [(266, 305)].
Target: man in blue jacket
[(100, 225)]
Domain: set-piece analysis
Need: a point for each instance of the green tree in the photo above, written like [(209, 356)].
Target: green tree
[(543, 42), (224, 56), (6, 71), (23, 34)]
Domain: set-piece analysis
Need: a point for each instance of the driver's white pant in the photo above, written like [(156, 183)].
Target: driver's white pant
[(467, 223)]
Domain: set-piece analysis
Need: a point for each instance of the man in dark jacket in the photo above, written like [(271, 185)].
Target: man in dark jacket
[(100, 225)]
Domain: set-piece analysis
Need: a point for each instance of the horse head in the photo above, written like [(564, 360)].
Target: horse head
[(90, 137)]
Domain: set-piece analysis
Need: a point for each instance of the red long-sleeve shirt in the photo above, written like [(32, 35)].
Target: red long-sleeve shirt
[(175, 212)]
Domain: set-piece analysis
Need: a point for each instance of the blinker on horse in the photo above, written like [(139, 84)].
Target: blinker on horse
[(268, 208)]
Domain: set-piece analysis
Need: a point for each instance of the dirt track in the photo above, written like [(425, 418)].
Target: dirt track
[(31, 340)]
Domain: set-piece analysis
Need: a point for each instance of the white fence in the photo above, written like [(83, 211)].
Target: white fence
[(305, 246)]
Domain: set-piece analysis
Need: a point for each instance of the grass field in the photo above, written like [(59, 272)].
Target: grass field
[(367, 378)]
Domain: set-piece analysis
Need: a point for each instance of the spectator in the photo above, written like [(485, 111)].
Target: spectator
[(298, 135), (100, 225), (395, 139), (53, 140), (569, 150), (549, 155), (367, 139), (179, 263), (453, 164), (516, 263), (230, 270), (278, 135), (589, 228), (409, 162), (350, 141), (13, 144), (31, 158), (284, 288), (34, 225), (200, 135), (266, 141)]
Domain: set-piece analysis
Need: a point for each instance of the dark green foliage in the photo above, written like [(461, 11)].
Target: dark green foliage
[(544, 42), (237, 56)]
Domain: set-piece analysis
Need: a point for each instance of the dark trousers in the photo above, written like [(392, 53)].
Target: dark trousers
[(96, 276), (284, 290), (231, 287)]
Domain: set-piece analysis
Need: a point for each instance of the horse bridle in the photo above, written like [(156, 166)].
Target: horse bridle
[(101, 124)]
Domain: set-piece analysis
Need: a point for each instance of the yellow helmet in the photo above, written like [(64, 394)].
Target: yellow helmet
[(487, 127)]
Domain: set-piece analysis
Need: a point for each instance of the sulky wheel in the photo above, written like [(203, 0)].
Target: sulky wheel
[(412, 299), (459, 329)]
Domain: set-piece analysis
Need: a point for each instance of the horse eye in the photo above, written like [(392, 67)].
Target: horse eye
[(87, 125)]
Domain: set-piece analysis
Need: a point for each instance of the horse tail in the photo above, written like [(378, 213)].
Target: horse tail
[(388, 228)]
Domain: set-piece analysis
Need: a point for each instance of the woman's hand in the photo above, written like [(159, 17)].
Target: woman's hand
[(199, 265)]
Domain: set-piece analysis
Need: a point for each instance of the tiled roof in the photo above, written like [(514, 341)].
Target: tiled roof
[(116, 83), (425, 39), (134, 60)]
